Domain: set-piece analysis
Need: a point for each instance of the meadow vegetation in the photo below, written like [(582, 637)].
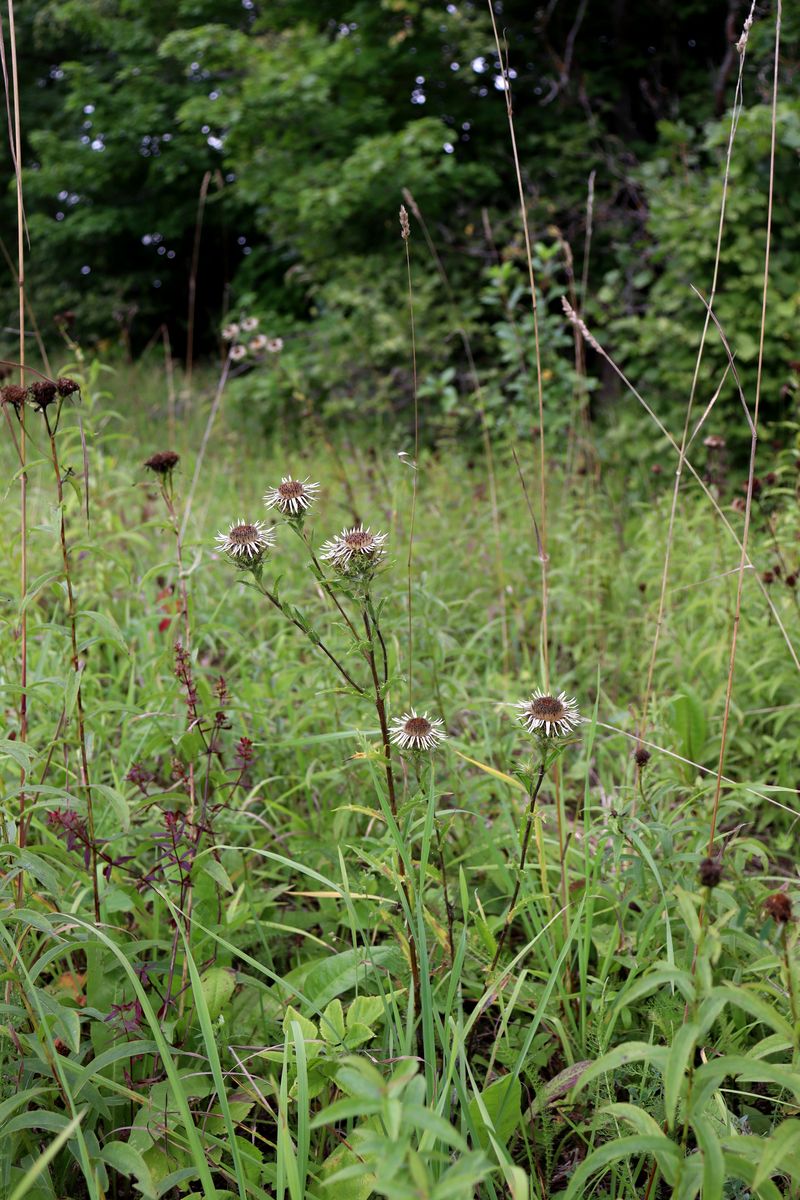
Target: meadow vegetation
[(399, 756)]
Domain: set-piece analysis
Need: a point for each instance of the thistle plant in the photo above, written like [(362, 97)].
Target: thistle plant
[(345, 569), (550, 720)]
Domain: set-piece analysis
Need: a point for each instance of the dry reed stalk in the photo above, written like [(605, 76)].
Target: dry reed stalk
[(737, 108), (753, 435)]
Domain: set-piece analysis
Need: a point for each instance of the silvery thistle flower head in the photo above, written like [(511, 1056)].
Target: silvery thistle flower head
[(292, 497), (549, 715), (246, 543), (417, 731), (355, 551)]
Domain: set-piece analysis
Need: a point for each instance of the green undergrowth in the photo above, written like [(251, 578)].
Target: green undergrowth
[(242, 1021)]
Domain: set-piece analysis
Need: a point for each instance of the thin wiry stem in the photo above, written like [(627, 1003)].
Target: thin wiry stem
[(593, 342), (23, 478), (485, 435), (545, 651), (737, 108), (509, 917), (76, 667), (753, 438), (406, 234)]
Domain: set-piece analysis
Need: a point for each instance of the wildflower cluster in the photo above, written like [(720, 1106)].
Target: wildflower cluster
[(245, 342), (39, 395)]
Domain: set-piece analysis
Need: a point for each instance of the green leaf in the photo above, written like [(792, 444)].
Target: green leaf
[(218, 984), (331, 1025), (215, 869), (661, 1148), (129, 1162), (107, 630), (713, 1159), (781, 1153), (500, 1102), (680, 1053), (365, 1010)]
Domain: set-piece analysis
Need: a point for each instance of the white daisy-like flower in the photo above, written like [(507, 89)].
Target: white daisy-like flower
[(417, 731), (555, 715), (249, 324), (355, 549), (231, 332), (246, 540), (238, 353), (291, 496), (274, 345), (258, 344)]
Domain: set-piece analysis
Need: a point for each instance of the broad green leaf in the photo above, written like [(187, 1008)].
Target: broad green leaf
[(218, 984), (501, 1101)]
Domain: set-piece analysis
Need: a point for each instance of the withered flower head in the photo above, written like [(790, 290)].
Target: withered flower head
[(641, 757), (710, 872), (14, 395), (163, 463), (415, 731), (237, 353), (67, 387), (42, 393), (714, 442), (355, 550), (779, 907), (249, 324), (246, 542), (291, 496), (551, 715)]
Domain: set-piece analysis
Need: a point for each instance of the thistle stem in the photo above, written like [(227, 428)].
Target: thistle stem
[(520, 867)]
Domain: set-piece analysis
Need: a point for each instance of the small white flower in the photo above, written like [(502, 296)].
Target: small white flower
[(415, 731), (274, 345), (231, 332), (291, 496), (555, 715), (258, 344), (249, 324), (355, 548), (238, 353), (244, 539)]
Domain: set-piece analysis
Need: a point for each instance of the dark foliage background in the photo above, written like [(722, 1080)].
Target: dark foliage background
[(308, 120)]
